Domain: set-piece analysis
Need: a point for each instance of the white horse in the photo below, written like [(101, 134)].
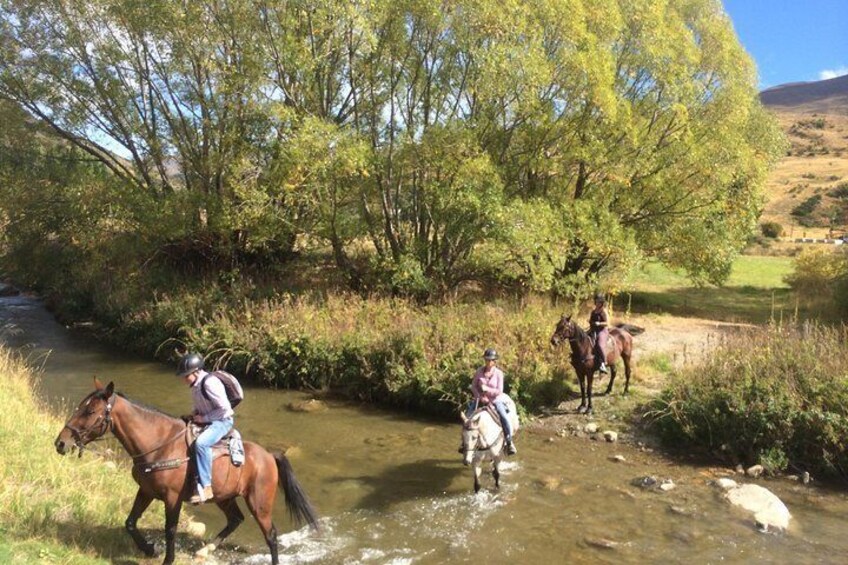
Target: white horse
[(483, 438)]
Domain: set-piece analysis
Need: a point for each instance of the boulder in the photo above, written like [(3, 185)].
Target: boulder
[(767, 509)]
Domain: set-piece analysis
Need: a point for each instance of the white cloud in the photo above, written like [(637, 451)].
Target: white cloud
[(833, 73)]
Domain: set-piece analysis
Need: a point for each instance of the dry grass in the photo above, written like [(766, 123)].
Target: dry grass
[(817, 163)]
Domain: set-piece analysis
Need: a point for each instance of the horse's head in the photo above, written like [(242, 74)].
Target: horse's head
[(92, 419), (470, 435), (565, 330)]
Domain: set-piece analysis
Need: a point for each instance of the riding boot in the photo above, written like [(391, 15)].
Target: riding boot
[(203, 494), (603, 367), (510, 447)]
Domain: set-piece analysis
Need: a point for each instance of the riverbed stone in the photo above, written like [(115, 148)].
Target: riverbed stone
[(196, 529), (611, 436), (644, 482), (768, 510), (309, 406), (667, 485), (754, 471), (8, 290), (602, 543), (618, 459), (590, 428)]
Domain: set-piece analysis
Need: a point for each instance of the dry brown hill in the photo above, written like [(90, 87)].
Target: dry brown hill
[(808, 190)]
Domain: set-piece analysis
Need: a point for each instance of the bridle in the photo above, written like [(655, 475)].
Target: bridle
[(96, 430)]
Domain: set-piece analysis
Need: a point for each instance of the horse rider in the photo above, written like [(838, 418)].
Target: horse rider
[(487, 388), (212, 410), (599, 330)]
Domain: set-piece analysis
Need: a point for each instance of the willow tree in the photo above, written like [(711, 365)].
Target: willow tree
[(645, 115), (167, 95), (566, 138)]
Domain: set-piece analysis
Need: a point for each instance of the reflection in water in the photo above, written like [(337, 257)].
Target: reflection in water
[(392, 489)]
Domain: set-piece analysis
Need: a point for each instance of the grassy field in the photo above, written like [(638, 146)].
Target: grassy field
[(754, 293), (58, 509)]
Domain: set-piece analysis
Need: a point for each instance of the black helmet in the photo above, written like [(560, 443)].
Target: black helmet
[(600, 297), (189, 363), (490, 354)]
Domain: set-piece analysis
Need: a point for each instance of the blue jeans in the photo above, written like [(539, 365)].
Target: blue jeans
[(203, 446), (500, 407)]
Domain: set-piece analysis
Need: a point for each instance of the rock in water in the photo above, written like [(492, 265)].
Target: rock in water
[(768, 510)]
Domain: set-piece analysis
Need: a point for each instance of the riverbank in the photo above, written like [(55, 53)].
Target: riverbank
[(56, 509)]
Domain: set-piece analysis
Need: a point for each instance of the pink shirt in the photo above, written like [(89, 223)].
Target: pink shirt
[(487, 387)]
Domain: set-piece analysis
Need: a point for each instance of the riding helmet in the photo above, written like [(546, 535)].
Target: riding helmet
[(600, 297), (490, 354), (189, 363)]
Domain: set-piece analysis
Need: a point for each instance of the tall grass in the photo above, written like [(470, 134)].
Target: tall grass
[(384, 350), (56, 509), (777, 396)]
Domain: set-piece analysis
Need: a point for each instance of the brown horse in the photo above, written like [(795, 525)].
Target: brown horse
[(583, 358), (162, 461)]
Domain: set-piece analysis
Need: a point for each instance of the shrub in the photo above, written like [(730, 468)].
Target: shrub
[(771, 229), (777, 396), (807, 207)]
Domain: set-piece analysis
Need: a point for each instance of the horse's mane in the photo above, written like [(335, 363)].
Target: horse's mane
[(144, 407), (580, 333)]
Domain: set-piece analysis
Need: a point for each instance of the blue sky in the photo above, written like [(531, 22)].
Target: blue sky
[(793, 40)]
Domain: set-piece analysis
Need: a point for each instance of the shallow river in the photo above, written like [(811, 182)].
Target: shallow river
[(392, 489)]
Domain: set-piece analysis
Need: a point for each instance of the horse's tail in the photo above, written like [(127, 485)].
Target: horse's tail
[(631, 329), (300, 509)]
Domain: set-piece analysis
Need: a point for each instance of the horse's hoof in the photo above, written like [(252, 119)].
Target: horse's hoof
[(588, 411), (148, 549), (581, 409)]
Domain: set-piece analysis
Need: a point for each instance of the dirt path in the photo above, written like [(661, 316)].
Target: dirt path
[(668, 342)]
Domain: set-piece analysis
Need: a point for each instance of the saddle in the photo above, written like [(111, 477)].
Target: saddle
[(230, 445)]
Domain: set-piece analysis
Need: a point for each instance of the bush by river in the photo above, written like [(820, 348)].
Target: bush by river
[(776, 396)]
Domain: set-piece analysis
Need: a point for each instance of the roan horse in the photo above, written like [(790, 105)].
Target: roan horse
[(583, 357), (161, 461), (483, 438)]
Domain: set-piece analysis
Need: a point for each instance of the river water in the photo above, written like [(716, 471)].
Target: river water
[(391, 488)]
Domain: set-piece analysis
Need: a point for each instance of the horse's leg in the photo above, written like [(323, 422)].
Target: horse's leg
[(260, 502), (589, 379), (581, 377), (234, 519), (495, 472), (612, 377), (142, 501), (173, 506), (626, 372), (478, 469)]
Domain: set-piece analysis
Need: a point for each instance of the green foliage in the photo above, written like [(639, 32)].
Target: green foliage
[(818, 276), (771, 229), (807, 207), (778, 397), (401, 130)]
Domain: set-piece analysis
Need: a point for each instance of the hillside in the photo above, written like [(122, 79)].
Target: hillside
[(812, 180)]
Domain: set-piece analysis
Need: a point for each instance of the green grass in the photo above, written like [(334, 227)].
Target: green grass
[(755, 292), (58, 509)]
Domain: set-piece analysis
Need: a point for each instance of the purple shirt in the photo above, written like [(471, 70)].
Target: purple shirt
[(487, 387), (217, 407)]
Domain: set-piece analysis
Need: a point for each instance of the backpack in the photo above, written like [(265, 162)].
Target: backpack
[(235, 394)]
